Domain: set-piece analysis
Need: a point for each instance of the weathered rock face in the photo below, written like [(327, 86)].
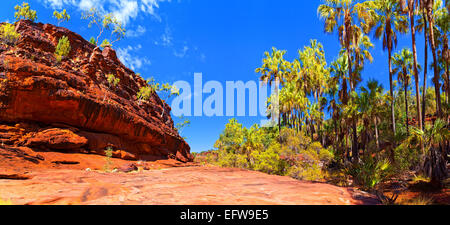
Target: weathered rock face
[(70, 106)]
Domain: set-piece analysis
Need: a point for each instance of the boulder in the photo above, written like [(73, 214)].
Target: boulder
[(58, 139)]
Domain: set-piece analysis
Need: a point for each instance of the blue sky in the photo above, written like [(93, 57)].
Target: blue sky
[(223, 39)]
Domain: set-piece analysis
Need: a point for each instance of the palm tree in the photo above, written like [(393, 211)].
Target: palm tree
[(411, 6), (388, 19), (403, 64), (315, 74), (428, 5), (338, 86), (274, 69), (442, 29), (343, 14), (422, 26), (375, 93), (360, 48), (434, 163)]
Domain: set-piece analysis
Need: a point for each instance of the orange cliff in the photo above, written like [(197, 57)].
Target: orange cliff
[(68, 106)]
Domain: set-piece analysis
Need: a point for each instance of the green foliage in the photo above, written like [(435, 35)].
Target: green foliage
[(105, 43), (311, 172), (61, 16), (8, 35), (228, 159), (108, 163), (24, 12), (181, 125), (231, 138), (105, 23), (145, 93), (63, 48), (165, 90), (267, 161), (370, 172), (258, 148), (92, 41), (113, 81), (406, 157), (418, 200), (432, 161)]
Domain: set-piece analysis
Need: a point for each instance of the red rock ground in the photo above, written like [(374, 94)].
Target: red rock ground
[(61, 178), (176, 185)]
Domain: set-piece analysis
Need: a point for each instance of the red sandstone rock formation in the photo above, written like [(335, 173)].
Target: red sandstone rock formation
[(68, 106)]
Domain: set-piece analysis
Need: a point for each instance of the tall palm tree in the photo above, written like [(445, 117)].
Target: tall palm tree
[(443, 29), (344, 15), (274, 69), (388, 19), (434, 163), (315, 73), (403, 64), (428, 5), (375, 93), (360, 48), (422, 26), (338, 88), (411, 8)]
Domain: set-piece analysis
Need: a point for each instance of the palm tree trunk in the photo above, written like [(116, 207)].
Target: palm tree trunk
[(425, 69), (391, 92), (336, 136), (406, 107), (376, 132), (279, 127), (437, 85), (416, 73), (355, 153), (445, 59)]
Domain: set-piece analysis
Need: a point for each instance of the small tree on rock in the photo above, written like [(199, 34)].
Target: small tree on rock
[(24, 12), (105, 43), (63, 48), (105, 23), (8, 35), (113, 81), (92, 41), (61, 16)]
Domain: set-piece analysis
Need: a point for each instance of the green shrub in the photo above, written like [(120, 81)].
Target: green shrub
[(92, 41), (267, 161), (259, 149), (407, 157), (105, 43), (108, 163), (105, 23), (61, 16), (8, 34), (112, 80), (370, 172), (25, 12), (63, 48), (144, 93), (305, 171), (226, 159)]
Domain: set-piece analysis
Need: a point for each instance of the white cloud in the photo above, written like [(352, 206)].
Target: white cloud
[(166, 38), (140, 30), (124, 10), (202, 57), (126, 56), (57, 4), (182, 53)]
